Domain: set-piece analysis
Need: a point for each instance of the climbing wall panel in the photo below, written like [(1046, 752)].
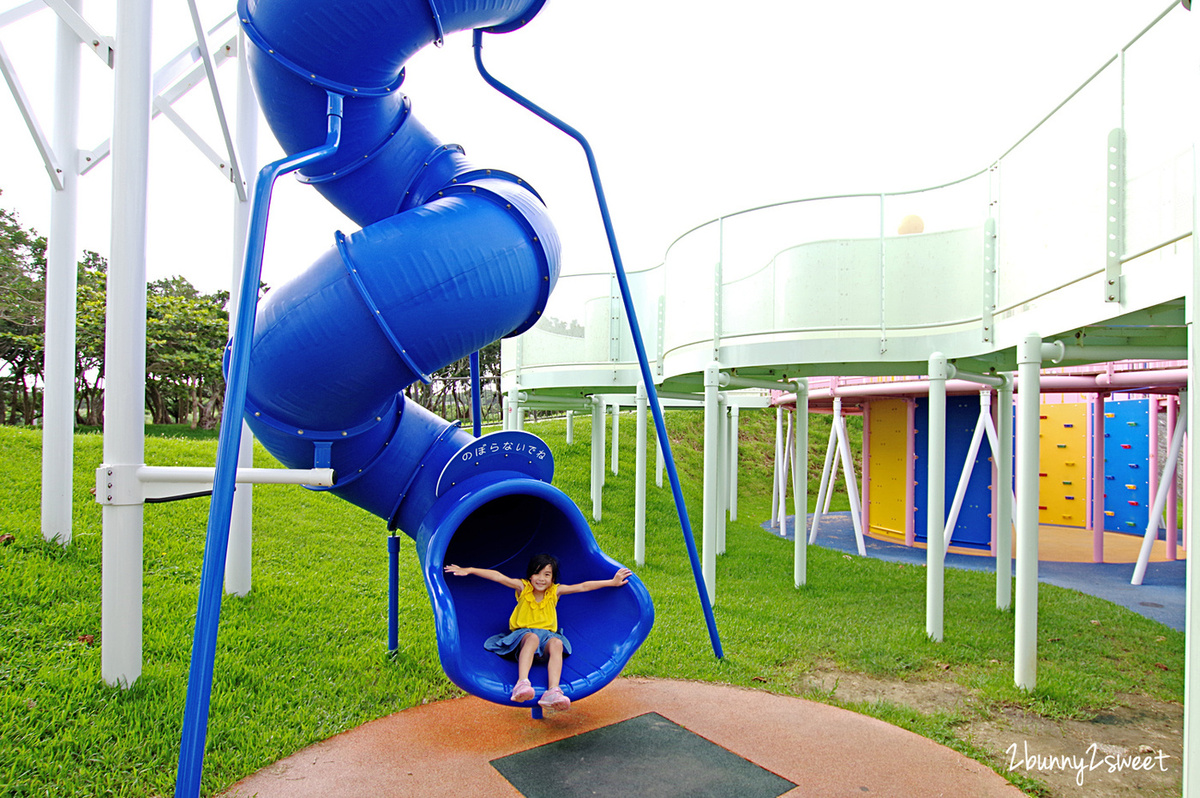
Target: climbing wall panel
[(889, 444), (1126, 465), (1063, 473), (974, 527)]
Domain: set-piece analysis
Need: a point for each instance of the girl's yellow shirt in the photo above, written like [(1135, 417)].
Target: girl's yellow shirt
[(532, 614)]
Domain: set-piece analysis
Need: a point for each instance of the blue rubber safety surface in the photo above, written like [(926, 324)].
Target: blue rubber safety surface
[(1160, 597)]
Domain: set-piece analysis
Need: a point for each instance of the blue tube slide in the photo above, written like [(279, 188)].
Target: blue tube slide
[(450, 258)]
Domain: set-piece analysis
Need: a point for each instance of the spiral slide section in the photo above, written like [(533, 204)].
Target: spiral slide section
[(450, 258)]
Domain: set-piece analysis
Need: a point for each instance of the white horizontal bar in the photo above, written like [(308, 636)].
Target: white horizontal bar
[(315, 477)]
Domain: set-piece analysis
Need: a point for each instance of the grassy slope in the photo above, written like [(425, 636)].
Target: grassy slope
[(303, 656)]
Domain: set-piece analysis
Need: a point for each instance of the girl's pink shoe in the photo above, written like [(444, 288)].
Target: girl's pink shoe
[(554, 699), (522, 692)]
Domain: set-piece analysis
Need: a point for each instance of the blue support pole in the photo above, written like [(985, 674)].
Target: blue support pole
[(212, 574), (476, 403), (635, 330), (393, 592)]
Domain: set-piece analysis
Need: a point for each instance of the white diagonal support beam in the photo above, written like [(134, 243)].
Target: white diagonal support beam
[(20, 12), (35, 129), (172, 81), (235, 172), (98, 43)]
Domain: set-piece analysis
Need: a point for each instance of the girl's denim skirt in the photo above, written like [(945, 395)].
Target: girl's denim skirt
[(507, 645)]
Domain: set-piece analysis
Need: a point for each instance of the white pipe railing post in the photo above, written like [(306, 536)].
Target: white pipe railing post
[(125, 345), (827, 478), (722, 470), (598, 420), (616, 436), (847, 459), (239, 555), (570, 427), (1004, 494), (775, 480), (1030, 354), (935, 499), (660, 460), (1191, 680), (733, 461), (1160, 499), (639, 483), (784, 465), (712, 377), (58, 405), (800, 491)]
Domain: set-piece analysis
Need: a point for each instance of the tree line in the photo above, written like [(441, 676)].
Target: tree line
[(186, 333)]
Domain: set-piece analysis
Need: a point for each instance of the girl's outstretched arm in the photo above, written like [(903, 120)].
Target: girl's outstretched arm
[(619, 578), (486, 573)]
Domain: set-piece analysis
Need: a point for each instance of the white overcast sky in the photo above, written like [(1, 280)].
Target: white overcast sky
[(694, 109)]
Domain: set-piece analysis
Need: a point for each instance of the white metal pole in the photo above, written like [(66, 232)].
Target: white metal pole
[(711, 458), (1173, 406), (733, 462), (775, 480), (58, 398), (598, 420), (239, 555), (722, 470), (1004, 498), (570, 427), (1160, 499), (1191, 687), (1029, 364), (786, 453), (833, 475), (827, 478), (800, 490), (601, 459), (639, 482), (847, 458), (659, 460), (125, 345), (935, 499), (616, 437)]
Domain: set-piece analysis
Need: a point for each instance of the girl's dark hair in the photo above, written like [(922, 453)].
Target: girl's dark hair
[(539, 561)]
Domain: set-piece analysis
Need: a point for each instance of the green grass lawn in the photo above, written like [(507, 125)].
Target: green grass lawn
[(303, 657)]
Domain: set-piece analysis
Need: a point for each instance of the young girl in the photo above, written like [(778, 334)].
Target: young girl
[(533, 625)]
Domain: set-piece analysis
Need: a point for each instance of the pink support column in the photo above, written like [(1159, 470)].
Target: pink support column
[(866, 468), (1098, 486), (910, 474), (1089, 520), (1173, 494), (1152, 448), (995, 511)]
